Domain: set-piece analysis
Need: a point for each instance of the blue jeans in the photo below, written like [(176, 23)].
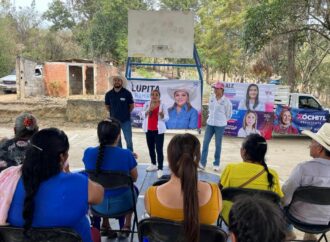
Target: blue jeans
[(115, 204), (126, 127), (209, 132)]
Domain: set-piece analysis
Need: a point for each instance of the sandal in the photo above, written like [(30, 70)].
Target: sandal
[(125, 231), (108, 232), (112, 234)]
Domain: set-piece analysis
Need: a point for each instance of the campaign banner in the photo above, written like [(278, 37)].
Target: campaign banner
[(294, 120), (253, 106), (182, 98)]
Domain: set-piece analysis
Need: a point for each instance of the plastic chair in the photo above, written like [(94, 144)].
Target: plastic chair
[(15, 234), (311, 195), (163, 230), (233, 193), (114, 180)]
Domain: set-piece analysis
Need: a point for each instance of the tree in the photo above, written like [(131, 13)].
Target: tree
[(84, 10), (293, 19), (218, 34), (59, 15), (179, 5), (311, 55), (25, 19), (7, 46), (107, 32)]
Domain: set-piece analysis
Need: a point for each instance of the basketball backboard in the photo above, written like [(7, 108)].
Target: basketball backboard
[(162, 34)]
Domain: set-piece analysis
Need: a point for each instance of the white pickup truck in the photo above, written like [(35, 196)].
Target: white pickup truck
[(308, 110), (296, 100)]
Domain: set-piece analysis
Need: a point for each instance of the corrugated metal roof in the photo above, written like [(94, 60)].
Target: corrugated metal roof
[(74, 60)]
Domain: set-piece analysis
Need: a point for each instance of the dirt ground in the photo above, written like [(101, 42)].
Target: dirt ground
[(283, 152)]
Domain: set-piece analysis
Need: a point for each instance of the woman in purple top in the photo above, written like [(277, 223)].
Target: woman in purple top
[(45, 196)]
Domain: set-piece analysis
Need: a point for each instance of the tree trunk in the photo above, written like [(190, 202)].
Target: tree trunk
[(207, 76), (291, 61), (224, 76), (178, 74)]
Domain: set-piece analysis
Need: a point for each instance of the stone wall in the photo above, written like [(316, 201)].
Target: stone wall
[(85, 110), (94, 110)]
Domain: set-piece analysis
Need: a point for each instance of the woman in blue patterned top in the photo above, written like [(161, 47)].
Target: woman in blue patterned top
[(182, 115)]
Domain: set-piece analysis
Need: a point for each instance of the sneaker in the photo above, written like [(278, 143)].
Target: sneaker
[(216, 168), (201, 167), (310, 237), (159, 173), (152, 167), (290, 235)]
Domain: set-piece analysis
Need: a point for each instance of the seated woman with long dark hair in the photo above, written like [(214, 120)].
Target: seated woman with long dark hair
[(252, 173), (109, 157), (183, 197), (256, 219), (46, 196)]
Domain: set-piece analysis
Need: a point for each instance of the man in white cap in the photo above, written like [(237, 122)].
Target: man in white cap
[(220, 111), (119, 102), (315, 172)]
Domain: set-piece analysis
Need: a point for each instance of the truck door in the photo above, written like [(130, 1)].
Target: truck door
[(308, 102)]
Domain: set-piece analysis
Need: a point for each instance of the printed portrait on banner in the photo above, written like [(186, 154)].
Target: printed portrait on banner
[(253, 106), (294, 120), (182, 98)]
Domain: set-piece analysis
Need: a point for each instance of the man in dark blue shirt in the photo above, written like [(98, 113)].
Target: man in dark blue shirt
[(119, 102)]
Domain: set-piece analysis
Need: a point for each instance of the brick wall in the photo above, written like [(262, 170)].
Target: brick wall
[(55, 79), (103, 72)]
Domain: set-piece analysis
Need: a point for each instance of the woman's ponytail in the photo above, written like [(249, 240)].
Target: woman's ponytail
[(183, 155), (188, 177)]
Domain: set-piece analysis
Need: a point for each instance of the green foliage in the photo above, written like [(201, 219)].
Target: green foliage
[(143, 72), (292, 22), (107, 31), (218, 35), (59, 15), (179, 5), (7, 46)]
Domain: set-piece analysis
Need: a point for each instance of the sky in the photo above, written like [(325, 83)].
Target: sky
[(41, 5)]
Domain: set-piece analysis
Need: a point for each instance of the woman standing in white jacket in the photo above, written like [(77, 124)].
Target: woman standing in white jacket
[(155, 114)]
